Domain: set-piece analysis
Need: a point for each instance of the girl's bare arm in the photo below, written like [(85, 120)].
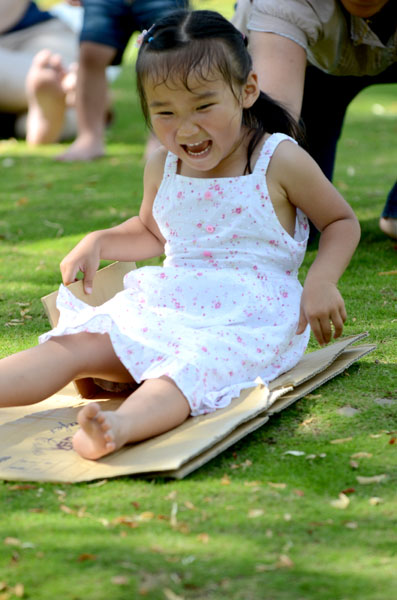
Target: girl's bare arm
[(137, 238), (306, 187)]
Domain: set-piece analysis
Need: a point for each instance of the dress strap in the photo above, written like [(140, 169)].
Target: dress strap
[(268, 149), (171, 164)]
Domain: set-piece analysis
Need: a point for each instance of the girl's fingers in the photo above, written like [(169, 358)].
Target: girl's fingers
[(302, 323), (337, 320)]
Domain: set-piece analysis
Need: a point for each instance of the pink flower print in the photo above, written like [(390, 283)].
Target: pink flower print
[(284, 294), (258, 187), (199, 225), (163, 275), (217, 305), (237, 210), (210, 228), (144, 329), (255, 268), (179, 195), (204, 349), (239, 339), (259, 350), (207, 253), (208, 195), (217, 187), (288, 272), (235, 236)]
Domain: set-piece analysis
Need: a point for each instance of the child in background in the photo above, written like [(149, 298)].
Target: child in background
[(226, 199)]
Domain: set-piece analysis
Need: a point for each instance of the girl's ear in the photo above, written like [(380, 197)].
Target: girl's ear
[(251, 90)]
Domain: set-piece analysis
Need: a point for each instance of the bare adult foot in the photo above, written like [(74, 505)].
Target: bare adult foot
[(84, 148), (100, 432), (389, 226), (46, 99)]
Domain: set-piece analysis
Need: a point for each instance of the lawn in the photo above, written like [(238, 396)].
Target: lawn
[(255, 523)]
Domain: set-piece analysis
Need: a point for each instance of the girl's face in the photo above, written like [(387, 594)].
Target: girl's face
[(202, 124)]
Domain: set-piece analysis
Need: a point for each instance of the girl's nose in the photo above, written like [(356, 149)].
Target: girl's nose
[(187, 129)]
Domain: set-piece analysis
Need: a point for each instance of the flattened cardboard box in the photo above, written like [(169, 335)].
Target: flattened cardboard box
[(35, 441)]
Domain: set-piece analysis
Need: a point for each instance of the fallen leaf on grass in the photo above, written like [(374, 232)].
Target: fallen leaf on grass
[(203, 537), (349, 490), (295, 452), (351, 525), (11, 541), (120, 580), (22, 486), (67, 509), (393, 272), (341, 440), (342, 502), (125, 520), (361, 455), (277, 486), (374, 501), (373, 479), (170, 595), (97, 483), (225, 480), (86, 556), (254, 513), (284, 562)]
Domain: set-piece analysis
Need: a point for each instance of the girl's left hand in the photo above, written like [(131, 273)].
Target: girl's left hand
[(321, 305)]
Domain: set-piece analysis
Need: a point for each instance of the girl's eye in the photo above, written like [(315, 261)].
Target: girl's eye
[(165, 113), (204, 106)]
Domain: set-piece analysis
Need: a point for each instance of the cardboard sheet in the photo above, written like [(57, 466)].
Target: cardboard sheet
[(36, 441)]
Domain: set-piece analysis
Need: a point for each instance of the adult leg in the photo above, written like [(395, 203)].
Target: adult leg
[(155, 407), (39, 372), (91, 102), (388, 220), (325, 101)]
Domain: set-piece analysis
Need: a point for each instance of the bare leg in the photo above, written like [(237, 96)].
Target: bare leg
[(91, 102), (46, 99), (155, 407), (39, 372)]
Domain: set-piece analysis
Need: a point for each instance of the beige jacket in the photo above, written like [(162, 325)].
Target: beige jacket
[(320, 27)]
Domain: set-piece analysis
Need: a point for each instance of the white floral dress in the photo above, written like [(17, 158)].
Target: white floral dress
[(224, 307)]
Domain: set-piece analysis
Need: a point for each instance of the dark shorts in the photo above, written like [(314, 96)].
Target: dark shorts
[(112, 22)]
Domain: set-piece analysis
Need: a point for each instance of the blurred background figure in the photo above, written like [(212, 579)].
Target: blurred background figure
[(38, 54), (107, 28), (315, 57)]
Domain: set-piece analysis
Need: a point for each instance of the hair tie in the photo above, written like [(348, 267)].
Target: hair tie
[(150, 39)]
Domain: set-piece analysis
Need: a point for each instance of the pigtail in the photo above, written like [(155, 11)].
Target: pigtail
[(269, 116)]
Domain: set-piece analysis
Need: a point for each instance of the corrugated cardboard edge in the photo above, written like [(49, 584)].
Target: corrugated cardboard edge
[(344, 361), (315, 362)]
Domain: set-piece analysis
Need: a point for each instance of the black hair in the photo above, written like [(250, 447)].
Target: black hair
[(205, 43)]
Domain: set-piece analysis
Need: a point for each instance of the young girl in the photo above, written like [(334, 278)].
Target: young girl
[(225, 198)]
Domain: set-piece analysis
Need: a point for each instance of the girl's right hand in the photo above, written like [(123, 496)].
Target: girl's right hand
[(84, 258)]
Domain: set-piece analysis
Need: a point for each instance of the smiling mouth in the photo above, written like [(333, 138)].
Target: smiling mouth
[(198, 149)]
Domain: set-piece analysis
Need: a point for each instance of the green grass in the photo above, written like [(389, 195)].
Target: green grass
[(237, 537)]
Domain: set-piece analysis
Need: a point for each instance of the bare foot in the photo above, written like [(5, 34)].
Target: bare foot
[(389, 226), (100, 432), (46, 99), (84, 148)]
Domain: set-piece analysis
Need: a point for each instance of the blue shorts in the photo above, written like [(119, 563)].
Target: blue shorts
[(112, 22)]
